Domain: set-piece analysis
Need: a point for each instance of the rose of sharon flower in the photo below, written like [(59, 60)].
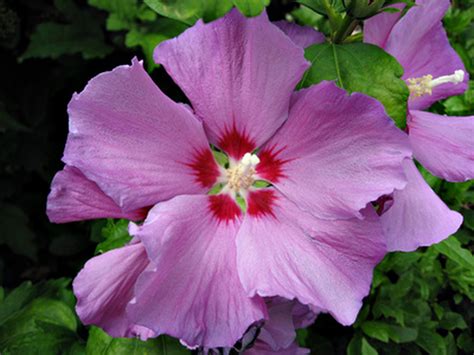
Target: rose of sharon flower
[(443, 145), (199, 265)]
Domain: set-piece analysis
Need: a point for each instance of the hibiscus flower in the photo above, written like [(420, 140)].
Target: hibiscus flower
[(443, 145), (284, 214)]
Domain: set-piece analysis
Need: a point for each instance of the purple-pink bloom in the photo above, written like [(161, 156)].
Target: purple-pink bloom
[(278, 334), (199, 265), (443, 145)]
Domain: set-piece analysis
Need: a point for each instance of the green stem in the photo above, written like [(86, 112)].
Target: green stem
[(334, 18), (345, 29)]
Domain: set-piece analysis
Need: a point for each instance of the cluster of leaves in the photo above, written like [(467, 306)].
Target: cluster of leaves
[(420, 302), (40, 319)]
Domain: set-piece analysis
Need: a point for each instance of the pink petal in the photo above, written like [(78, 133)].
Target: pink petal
[(262, 348), (239, 74), (134, 142), (194, 293), (326, 264), (105, 286), (336, 153), (73, 197), (284, 317), (302, 36), (444, 145), (279, 330), (417, 217), (419, 42), (377, 29)]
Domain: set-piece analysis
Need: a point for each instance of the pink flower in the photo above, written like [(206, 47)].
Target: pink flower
[(200, 265), (278, 334), (443, 145)]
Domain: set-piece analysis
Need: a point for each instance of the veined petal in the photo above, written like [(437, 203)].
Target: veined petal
[(336, 153), (73, 197), (139, 146), (284, 316), (326, 264), (417, 216), (239, 74), (262, 348), (105, 286), (302, 36), (443, 145), (419, 42), (377, 29), (194, 293)]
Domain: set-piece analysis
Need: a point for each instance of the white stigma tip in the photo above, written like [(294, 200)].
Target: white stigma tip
[(249, 160)]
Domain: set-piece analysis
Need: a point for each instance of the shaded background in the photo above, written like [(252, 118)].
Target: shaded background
[(421, 302)]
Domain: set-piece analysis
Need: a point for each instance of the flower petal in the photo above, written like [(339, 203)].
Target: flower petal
[(326, 264), (444, 145), (194, 293), (302, 36), (105, 286), (419, 42), (336, 153), (279, 330), (73, 197), (134, 142), (377, 29), (262, 348), (417, 216), (239, 74), (284, 316)]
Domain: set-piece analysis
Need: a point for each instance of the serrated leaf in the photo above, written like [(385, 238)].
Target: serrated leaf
[(43, 327), (83, 35), (367, 349), (150, 35), (384, 331), (453, 250), (115, 235), (452, 320), (189, 11), (251, 7), (431, 342), (320, 6), (360, 67), (101, 343)]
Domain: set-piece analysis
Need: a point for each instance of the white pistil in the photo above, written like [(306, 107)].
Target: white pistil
[(424, 85), (240, 176)]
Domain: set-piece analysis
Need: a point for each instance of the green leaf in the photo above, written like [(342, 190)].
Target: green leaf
[(452, 320), (149, 36), (123, 8), (367, 349), (45, 326), (452, 249), (251, 7), (82, 35), (189, 11), (360, 67), (319, 6), (430, 341), (115, 234), (384, 331), (99, 343)]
